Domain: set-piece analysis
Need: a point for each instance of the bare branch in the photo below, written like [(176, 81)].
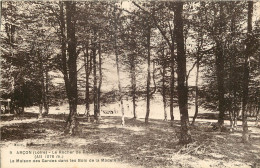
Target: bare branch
[(197, 61), (155, 22)]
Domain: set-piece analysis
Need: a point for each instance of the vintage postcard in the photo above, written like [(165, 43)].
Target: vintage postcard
[(106, 84)]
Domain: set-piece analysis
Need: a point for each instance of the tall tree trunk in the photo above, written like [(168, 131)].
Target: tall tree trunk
[(164, 87), (172, 82), (148, 76), (63, 49), (100, 81), (197, 90), (132, 60), (120, 91), (118, 71), (133, 83), (72, 123), (245, 136), (46, 95), (233, 78), (220, 68), (95, 89), (41, 105), (182, 90), (87, 65), (199, 45)]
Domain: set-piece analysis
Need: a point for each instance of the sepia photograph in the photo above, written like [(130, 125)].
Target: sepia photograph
[(129, 84)]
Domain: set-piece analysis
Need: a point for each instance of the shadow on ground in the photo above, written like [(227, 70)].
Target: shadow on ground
[(148, 145)]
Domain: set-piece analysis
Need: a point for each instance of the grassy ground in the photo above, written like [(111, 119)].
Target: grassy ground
[(137, 144)]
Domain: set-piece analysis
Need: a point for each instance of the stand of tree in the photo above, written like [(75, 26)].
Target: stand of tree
[(158, 44)]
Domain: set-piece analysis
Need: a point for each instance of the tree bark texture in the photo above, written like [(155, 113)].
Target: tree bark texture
[(245, 135), (100, 82), (72, 92), (220, 67), (148, 81), (172, 82), (95, 89), (164, 87), (87, 65), (182, 89), (133, 83)]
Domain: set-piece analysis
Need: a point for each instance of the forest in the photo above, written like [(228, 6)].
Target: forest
[(170, 77)]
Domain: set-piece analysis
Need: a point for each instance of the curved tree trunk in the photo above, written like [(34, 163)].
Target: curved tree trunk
[(197, 92), (199, 45)]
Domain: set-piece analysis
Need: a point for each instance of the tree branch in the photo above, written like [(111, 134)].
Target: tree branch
[(202, 53), (155, 22)]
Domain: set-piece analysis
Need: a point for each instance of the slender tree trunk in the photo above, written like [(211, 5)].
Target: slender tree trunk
[(100, 82), (197, 90), (199, 45), (72, 123), (46, 95), (220, 68), (164, 92), (148, 76), (133, 83), (133, 61), (95, 89), (87, 62), (172, 83), (245, 136), (182, 90), (42, 85), (118, 72), (233, 78), (120, 90), (230, 101), (163, 73)]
